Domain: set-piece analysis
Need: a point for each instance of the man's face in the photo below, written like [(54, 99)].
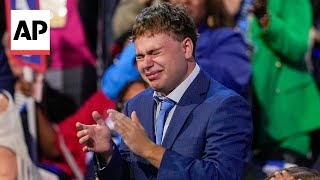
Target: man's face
[(163, 61), (196, 9)]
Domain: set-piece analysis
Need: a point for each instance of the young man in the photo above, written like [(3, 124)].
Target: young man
[(206, 133)]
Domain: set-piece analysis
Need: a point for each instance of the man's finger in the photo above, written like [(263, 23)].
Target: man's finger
[(111, 111), (81, 133), (80, 126), (115, 115), (135, 118), (120, 129), (85, 149), (84, 139), (97, 117)]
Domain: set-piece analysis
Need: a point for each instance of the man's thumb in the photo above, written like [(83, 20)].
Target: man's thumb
[(97, 117)]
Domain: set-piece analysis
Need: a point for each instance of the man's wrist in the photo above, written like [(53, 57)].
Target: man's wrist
[(149, 151), (154, 154), (104, 158)]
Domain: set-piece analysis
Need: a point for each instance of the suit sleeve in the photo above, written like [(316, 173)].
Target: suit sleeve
[(118, 167), (288, 35), (228, 137)]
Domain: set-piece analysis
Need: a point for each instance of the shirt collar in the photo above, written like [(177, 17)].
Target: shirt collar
[(177, 93)]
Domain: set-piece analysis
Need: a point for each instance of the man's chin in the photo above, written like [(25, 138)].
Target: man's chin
[(155, 87)]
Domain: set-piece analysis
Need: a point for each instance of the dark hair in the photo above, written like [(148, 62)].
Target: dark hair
[(123, 91), (165, 18), (301, 173), (217, 14), (316, 14)]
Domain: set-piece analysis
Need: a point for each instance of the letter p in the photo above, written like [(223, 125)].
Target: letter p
[(35, 28)]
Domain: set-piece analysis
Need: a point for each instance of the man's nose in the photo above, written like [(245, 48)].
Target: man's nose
[(147, 62)]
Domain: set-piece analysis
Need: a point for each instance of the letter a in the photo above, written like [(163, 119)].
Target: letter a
[(22, 24)]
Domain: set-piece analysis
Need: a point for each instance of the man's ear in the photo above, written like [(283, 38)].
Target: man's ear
[(188, 48)]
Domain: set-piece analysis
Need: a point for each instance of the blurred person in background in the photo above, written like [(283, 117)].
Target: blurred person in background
[(71, 64), (220, 50), (315, 68), (287, 103), (125, 14), (295, 173), (315, 39), (6, 78), (239, 11), (15, 161)]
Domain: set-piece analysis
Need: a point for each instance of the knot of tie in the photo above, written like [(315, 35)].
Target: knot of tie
[(166, 105)]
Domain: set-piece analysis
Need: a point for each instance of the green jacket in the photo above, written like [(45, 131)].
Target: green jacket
[(286, 91)]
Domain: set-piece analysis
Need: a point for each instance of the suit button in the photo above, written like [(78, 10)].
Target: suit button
[(278, 64), (277, 91)]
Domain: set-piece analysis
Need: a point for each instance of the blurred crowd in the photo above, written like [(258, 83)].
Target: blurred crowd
[(268, 51)]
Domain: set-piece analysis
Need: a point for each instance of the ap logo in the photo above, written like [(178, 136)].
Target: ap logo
[(30, 32)]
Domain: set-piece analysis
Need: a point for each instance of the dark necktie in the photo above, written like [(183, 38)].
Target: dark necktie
[(166, 105)]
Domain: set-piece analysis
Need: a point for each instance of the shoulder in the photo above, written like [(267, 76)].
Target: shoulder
[(215, 92), (219, 95), (225, 34), (221, 36)]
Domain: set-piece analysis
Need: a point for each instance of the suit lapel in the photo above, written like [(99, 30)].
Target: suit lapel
[(194, 95)]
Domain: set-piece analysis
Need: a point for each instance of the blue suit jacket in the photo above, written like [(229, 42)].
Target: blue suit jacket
[(209, 136)]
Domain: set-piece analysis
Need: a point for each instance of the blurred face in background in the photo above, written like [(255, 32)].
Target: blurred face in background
[(196, 9), (232, 6), (132, 91)]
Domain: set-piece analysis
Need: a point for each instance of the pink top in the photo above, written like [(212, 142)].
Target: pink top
[(68, 45)]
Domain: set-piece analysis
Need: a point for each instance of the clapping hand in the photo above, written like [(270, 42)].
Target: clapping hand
[(132, 132), (96, 138)]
